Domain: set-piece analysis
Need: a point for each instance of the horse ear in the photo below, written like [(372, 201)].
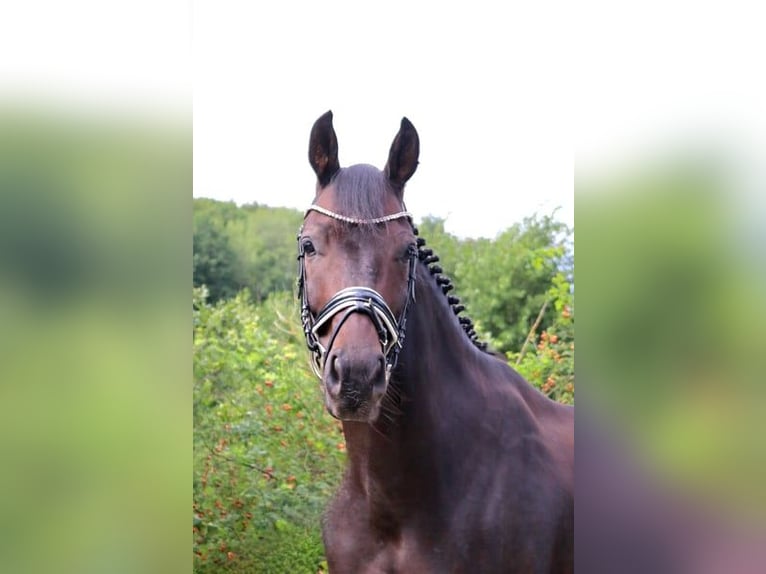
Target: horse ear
[(323, 149), (403, 157)]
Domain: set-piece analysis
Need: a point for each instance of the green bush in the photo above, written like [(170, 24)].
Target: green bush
[(266, 454), (547, 358)]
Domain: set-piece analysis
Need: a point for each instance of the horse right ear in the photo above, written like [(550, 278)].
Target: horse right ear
[(323, 149), (403, 156)]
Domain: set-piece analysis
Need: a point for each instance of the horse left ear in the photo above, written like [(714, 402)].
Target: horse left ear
[(403, 156)]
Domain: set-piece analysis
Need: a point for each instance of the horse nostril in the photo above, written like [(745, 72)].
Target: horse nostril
[(350, 373), (334, 375)]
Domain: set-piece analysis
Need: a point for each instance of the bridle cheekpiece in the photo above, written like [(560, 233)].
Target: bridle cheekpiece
[(355, 299)]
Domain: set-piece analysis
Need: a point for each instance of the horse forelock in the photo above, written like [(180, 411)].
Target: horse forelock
[(361, 191)]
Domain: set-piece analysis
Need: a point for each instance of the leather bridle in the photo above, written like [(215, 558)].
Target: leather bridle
[(355, 299)]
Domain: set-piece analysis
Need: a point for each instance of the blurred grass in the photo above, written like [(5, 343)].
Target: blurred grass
[(95, 413), (671, 287)]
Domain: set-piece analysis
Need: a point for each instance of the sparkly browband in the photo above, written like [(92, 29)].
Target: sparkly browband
[(355, 220)]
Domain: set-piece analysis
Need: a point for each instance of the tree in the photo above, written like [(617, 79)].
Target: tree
[(214, 261), (504, 282)]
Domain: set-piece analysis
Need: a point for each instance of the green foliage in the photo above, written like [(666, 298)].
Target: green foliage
[(266, 454), (289, 549), (250, 247), (264, 240), (214, 259), (505, 282), (547, 360)]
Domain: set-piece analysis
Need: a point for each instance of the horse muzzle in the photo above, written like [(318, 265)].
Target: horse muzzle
[(354, 383), (355, 375)]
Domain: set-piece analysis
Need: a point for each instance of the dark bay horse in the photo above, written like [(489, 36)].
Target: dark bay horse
[(455, 462)]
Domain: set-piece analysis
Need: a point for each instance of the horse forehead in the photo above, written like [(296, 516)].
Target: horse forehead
[(328, 197), (355, 239)]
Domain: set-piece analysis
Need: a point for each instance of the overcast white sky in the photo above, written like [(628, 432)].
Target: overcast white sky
[(487, 92), (504, 96)]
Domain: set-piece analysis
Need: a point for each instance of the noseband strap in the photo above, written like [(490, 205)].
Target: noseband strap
[(356, 299), (360, 300)]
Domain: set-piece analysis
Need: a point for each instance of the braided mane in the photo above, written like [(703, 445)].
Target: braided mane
[(427, 256)]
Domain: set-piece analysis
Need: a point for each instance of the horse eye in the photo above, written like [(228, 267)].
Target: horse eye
[(307, 246)]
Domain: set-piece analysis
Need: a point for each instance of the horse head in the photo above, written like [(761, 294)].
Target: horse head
[(357, 254)]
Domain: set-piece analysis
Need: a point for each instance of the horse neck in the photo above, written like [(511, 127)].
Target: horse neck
[(437, 350)]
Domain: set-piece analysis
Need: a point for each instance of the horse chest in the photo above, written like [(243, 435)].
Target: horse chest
[(360, 552), (405, 556), (355, 545)]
